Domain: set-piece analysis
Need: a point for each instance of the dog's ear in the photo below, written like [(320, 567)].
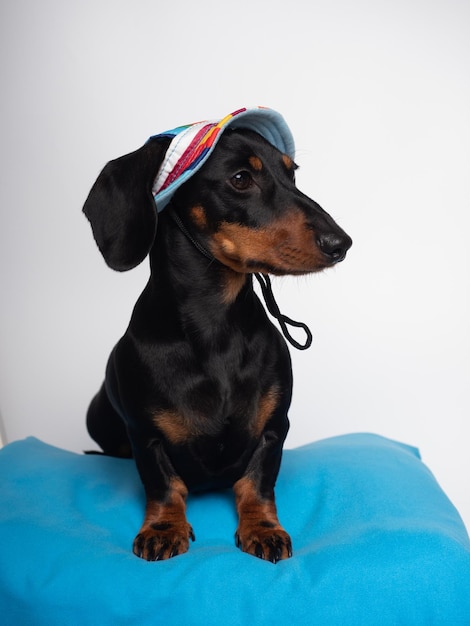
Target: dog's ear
[(121, 208)]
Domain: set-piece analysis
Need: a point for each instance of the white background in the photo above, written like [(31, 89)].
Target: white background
[(377, 94)]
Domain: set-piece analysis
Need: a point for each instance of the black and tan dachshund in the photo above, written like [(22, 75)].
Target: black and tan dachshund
[(198, 388)]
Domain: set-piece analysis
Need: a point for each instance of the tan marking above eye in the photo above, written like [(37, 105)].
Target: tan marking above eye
[(256, 163), (288, 162)]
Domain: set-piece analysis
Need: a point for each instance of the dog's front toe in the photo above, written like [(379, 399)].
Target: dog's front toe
[(269, 544), (162, 541)]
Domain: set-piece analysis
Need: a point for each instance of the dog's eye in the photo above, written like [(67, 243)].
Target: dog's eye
[(242, 180)]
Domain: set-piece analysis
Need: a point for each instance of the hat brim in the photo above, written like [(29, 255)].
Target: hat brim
[(192, 145)]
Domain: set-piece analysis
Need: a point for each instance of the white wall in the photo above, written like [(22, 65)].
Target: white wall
[(377, 94)]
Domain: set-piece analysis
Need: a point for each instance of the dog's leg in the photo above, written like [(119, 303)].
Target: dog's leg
[(259, 531), (165, 531), (106, 427)]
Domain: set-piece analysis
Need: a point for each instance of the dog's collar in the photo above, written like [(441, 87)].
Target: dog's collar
[(266, 289), (191, 146)]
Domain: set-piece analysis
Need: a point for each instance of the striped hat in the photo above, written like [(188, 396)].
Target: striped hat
[(191, 145)]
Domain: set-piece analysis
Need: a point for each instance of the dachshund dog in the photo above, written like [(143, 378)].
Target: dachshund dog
[(198, 388)]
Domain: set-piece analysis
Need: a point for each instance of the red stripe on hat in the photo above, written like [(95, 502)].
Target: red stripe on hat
[(186, 158)]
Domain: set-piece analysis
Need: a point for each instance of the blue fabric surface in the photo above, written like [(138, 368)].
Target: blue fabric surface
[(376, 541)]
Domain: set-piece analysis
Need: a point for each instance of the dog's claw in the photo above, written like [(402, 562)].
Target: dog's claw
[(275, 554), (174, 552), (259, 551)]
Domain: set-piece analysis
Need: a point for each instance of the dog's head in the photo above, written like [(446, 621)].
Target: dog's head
[(246, 209), (242, 205)]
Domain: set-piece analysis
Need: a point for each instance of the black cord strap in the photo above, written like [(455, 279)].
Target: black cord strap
[(283, 320), (185, 231), (266, 288)]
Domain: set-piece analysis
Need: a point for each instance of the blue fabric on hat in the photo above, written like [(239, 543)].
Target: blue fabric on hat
[(376, 541), (192, 145)]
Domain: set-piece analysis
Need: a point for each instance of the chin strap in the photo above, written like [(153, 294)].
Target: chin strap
[(271, 305), (266, 288)]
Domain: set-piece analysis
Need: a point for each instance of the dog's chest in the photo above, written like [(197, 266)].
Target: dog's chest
[(220, 401), (223, 402), (211, 435)]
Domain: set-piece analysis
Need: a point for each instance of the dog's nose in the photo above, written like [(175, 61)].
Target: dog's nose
[(334, 245)]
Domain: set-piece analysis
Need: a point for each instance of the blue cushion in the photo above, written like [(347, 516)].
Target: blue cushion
[(376, 541)]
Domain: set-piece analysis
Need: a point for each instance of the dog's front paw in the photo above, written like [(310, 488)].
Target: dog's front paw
[(162, 541), (265, 541)]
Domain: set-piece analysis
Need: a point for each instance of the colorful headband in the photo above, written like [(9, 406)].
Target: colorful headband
[(191, 146)]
